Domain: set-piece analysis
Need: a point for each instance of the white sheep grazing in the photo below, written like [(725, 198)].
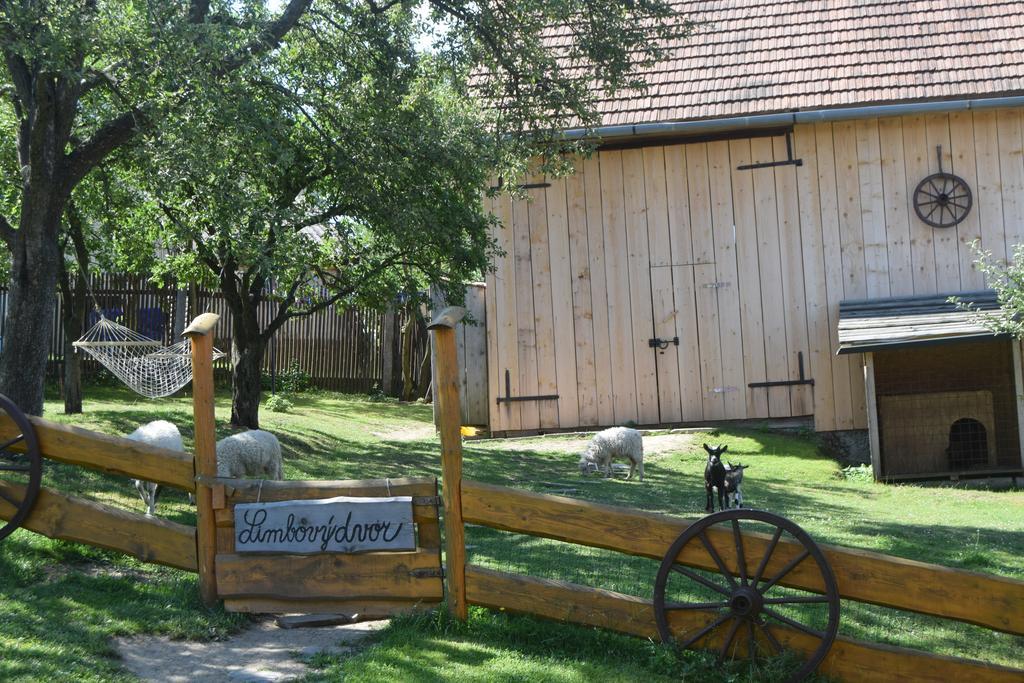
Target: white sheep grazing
[(157, 433), (254, 453), (621, 442)]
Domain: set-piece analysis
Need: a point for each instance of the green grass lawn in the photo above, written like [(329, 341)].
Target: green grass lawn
[(63, 602)]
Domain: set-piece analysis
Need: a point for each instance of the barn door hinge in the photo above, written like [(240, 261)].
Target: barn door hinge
[(788, 161), (426, 500), (509, 398), (428, 573), (787, 382)]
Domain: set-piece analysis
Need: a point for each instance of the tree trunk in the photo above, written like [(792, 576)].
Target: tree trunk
[(407, 361), (247, 351), (72, 379), (35, 260)]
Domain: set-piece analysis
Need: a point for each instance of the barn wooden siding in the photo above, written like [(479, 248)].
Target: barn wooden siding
[(746, 267)]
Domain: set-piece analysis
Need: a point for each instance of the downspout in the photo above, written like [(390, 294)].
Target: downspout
[(760, 121)]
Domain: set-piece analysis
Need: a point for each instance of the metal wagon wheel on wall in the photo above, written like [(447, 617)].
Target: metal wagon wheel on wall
[(744, 606), (25, 459)]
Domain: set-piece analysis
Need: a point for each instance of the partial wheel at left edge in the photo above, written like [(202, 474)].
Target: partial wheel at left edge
[(20, 453)]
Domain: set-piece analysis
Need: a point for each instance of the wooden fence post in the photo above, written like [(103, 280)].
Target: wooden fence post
[(446, 394), (201, 334)]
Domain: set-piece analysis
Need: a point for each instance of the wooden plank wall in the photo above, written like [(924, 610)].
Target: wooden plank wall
[(747, 268), (471, 347)]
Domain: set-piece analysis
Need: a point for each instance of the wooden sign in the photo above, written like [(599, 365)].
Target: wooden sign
[(329, 525)]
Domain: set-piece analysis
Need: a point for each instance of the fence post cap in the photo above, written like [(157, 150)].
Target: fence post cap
[(448, 317), (201, 325)]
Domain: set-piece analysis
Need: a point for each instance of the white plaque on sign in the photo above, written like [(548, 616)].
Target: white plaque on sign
[(329, 525)]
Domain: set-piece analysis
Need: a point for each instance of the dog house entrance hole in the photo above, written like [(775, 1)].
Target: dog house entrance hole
[(968, 444)]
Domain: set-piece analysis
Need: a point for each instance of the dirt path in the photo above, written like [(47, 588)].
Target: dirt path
[(259, 654)]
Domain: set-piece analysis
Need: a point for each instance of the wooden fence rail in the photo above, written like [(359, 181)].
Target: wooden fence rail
[(58, 515), (849, 659), (110, 454), (991, 601)]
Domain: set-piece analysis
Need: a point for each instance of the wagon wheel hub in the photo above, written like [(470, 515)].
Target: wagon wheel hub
[(746, 602)]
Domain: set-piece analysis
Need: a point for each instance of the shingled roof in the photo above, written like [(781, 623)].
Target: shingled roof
[(768, 56)]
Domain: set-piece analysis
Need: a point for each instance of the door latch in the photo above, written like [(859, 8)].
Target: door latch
[(662, 344)]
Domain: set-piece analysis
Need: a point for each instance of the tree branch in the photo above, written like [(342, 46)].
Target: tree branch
[(271, 37), (316, 219), (108, 138), (198, 10)]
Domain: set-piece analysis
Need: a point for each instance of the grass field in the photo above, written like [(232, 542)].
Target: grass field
[(64, 602)]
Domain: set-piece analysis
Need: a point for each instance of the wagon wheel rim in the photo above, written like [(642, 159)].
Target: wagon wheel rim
[(28, 460), (746, 602), (942, 200)]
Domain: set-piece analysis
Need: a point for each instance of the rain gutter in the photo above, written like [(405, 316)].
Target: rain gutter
[(760, 121)]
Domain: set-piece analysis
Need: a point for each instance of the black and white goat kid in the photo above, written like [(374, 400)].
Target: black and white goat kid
[(733, 480), (714, 477)]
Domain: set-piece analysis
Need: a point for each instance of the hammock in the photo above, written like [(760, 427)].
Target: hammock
[(145, 365)]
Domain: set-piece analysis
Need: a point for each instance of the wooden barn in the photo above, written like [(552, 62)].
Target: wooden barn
[(772, 230)]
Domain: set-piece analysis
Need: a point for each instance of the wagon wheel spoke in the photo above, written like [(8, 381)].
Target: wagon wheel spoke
[(729, 638), (796, 599), (935, 187), (15, 468), (935, 205), (767, 556), (8, 444), (792, 622), (926, 192), (9, 499), (751, 640), (785, 570), (717, 558), (695, 605), (701, 580), (741, 559), (708, 628), (776, 645)]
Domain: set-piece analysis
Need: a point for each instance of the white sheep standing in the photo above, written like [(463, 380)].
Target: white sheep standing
[(254, 453), (156, 433), (621, 442)]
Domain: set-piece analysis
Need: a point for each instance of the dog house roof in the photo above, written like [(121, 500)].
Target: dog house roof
[(881, 324)]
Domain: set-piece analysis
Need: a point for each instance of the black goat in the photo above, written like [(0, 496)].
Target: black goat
[(714, 477)]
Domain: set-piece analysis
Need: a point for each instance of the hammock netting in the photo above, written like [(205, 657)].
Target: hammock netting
[(144, 364)]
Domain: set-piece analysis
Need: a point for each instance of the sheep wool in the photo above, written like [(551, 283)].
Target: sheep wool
[(254, 453), (616, 442), (156, 433)]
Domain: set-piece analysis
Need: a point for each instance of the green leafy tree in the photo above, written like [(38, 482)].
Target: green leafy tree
[(1007, 279), (85, 78)]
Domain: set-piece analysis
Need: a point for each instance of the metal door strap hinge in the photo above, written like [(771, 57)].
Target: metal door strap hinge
[(426, 500), (428, 573)]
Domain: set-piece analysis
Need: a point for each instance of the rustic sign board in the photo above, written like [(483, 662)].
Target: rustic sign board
[(330, 525)]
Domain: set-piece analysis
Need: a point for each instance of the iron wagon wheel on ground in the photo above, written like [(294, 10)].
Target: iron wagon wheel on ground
[(734, 609), (19, 454)]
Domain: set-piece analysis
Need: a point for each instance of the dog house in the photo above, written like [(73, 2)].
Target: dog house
[(943, 392)]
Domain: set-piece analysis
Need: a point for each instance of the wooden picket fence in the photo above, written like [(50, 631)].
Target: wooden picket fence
[(354, 350)]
